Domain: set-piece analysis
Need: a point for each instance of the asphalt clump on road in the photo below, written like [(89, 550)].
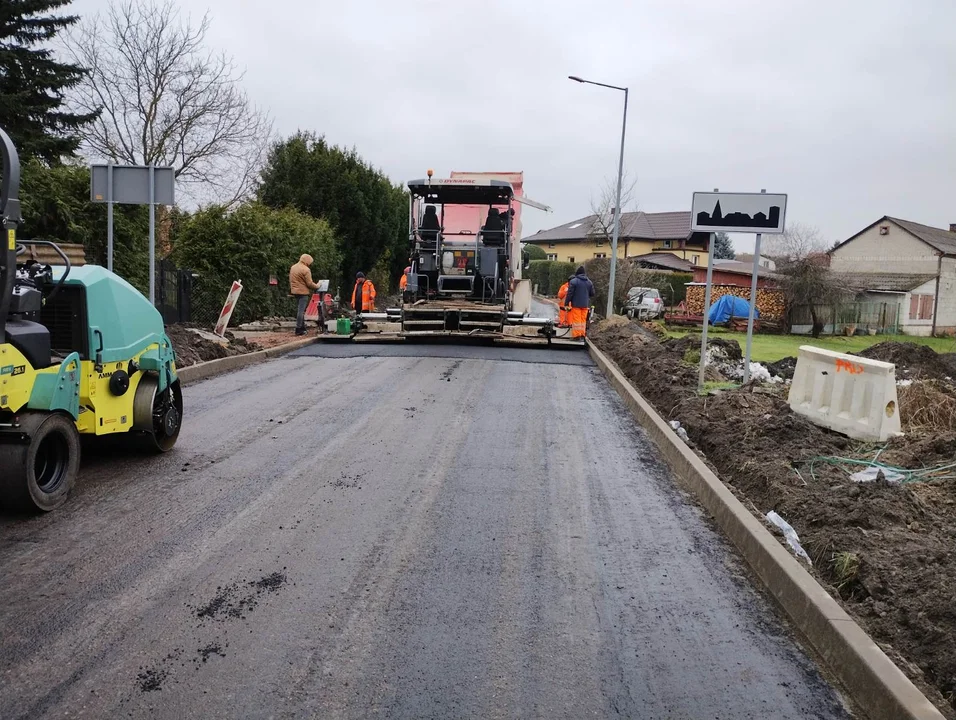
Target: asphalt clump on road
[(237, 599), (886, 551), (151, 679)]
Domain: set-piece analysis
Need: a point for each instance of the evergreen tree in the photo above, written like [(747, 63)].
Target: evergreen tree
[(367, 211), (32, 82), (723, 247)]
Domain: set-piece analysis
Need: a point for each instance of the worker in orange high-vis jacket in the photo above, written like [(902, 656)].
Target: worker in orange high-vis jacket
[(363, 294), (403, 283), (562, 313), (578, 302)]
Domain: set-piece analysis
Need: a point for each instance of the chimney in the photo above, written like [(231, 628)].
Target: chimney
[(952, 227)]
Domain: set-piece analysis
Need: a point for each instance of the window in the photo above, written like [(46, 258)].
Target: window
[(884, 229), (571, 259), (696, 259), (552, 256), (550, 245), (600, 255), (666, 244), (921, 307), (599, 243)]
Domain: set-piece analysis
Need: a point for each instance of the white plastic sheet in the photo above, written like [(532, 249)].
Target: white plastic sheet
[(790, 534)]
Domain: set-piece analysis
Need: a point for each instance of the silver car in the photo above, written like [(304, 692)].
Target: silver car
[(643, 303)]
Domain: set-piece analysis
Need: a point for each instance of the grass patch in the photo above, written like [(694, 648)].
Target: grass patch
[(711, 385), (770, 348), (692, 357), (925, 406)]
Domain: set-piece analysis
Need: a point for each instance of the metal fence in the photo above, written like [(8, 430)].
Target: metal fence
[(173, 293), (881, 318)]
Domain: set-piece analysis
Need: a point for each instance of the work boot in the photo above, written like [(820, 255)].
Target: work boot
[(299, 332)]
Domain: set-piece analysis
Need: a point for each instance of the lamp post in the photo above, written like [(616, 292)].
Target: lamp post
[(617, 208)]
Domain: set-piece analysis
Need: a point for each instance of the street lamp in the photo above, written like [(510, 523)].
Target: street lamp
[(617, 208)]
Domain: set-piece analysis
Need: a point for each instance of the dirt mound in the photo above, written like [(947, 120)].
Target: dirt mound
[(192, 348), (915, 362), (886, 552), (784, 367), (729, 349)]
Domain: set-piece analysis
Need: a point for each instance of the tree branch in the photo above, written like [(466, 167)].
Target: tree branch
[(168, 99)]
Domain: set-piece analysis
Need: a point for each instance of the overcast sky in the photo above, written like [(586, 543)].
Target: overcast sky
[(849, 107)]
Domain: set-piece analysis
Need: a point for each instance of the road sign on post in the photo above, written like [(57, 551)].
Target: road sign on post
[(713, 212), (738, 213), (227, 309), (133, 185)]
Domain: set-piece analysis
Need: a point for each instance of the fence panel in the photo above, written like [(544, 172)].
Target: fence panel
[(867, 317), (173, 293)]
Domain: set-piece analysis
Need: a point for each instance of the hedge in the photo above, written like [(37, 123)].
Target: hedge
[(559, 274), (539, 272), (252, 244)]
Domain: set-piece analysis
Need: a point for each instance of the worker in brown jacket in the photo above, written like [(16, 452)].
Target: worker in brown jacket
[(301, 286)]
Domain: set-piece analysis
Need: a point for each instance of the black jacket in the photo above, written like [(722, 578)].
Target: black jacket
[(580, 291)]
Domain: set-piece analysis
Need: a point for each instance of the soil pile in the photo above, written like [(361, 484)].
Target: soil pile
[(192, 348), (783, 368), (886, 551), (914, 362)]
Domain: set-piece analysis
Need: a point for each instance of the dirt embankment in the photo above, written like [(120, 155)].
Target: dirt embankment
[(886, 551), (191, 348)]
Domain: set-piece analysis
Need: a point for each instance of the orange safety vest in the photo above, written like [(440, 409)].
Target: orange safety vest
[(368, 297), (403, 283), (562, 313)]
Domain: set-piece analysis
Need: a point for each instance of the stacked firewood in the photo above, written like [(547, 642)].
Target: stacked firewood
[(770, 302)]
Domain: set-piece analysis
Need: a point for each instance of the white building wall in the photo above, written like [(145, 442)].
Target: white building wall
[(922, 328), (897, 251), (946, 305)]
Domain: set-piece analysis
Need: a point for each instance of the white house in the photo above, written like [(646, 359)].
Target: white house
[(907, 264)]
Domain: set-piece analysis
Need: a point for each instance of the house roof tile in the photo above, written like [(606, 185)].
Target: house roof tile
[(634, 226)]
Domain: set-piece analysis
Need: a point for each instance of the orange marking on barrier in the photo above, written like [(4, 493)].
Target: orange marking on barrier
[(849, 367)]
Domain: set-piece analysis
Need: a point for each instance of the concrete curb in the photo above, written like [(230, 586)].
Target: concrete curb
[(211, 368), (874, 682)]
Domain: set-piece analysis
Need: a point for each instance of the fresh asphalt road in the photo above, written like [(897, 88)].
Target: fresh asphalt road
[(391, 531)]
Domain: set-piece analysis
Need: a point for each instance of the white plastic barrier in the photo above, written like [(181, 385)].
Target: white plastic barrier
[(521, 300), (849, 394)]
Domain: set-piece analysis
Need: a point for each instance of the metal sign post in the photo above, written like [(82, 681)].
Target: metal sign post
[(133, 185), (738, 213), (109, 217), (753, 306), (703, 334), (152, 234)]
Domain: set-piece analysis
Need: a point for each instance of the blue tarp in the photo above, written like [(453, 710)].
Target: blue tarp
[(728, 305)]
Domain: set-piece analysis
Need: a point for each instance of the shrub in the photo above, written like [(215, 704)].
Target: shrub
[(559, 274), (251, 244), (539, 272)]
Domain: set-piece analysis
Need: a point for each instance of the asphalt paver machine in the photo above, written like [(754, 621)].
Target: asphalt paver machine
[(82, 352), (465, 276)]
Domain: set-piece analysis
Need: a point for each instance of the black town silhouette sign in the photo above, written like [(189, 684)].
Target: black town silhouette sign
[(739, 212)]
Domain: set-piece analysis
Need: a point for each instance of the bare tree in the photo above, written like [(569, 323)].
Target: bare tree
[(799, 241), (602, 231), (807, 281), (168, 99)]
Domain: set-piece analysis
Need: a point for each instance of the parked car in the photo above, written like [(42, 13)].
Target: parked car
[(643, 303)]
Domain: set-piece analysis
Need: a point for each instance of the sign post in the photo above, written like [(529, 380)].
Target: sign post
[(133, 185), (109, 217), (753, 306), (738, 213), (227, 309)]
